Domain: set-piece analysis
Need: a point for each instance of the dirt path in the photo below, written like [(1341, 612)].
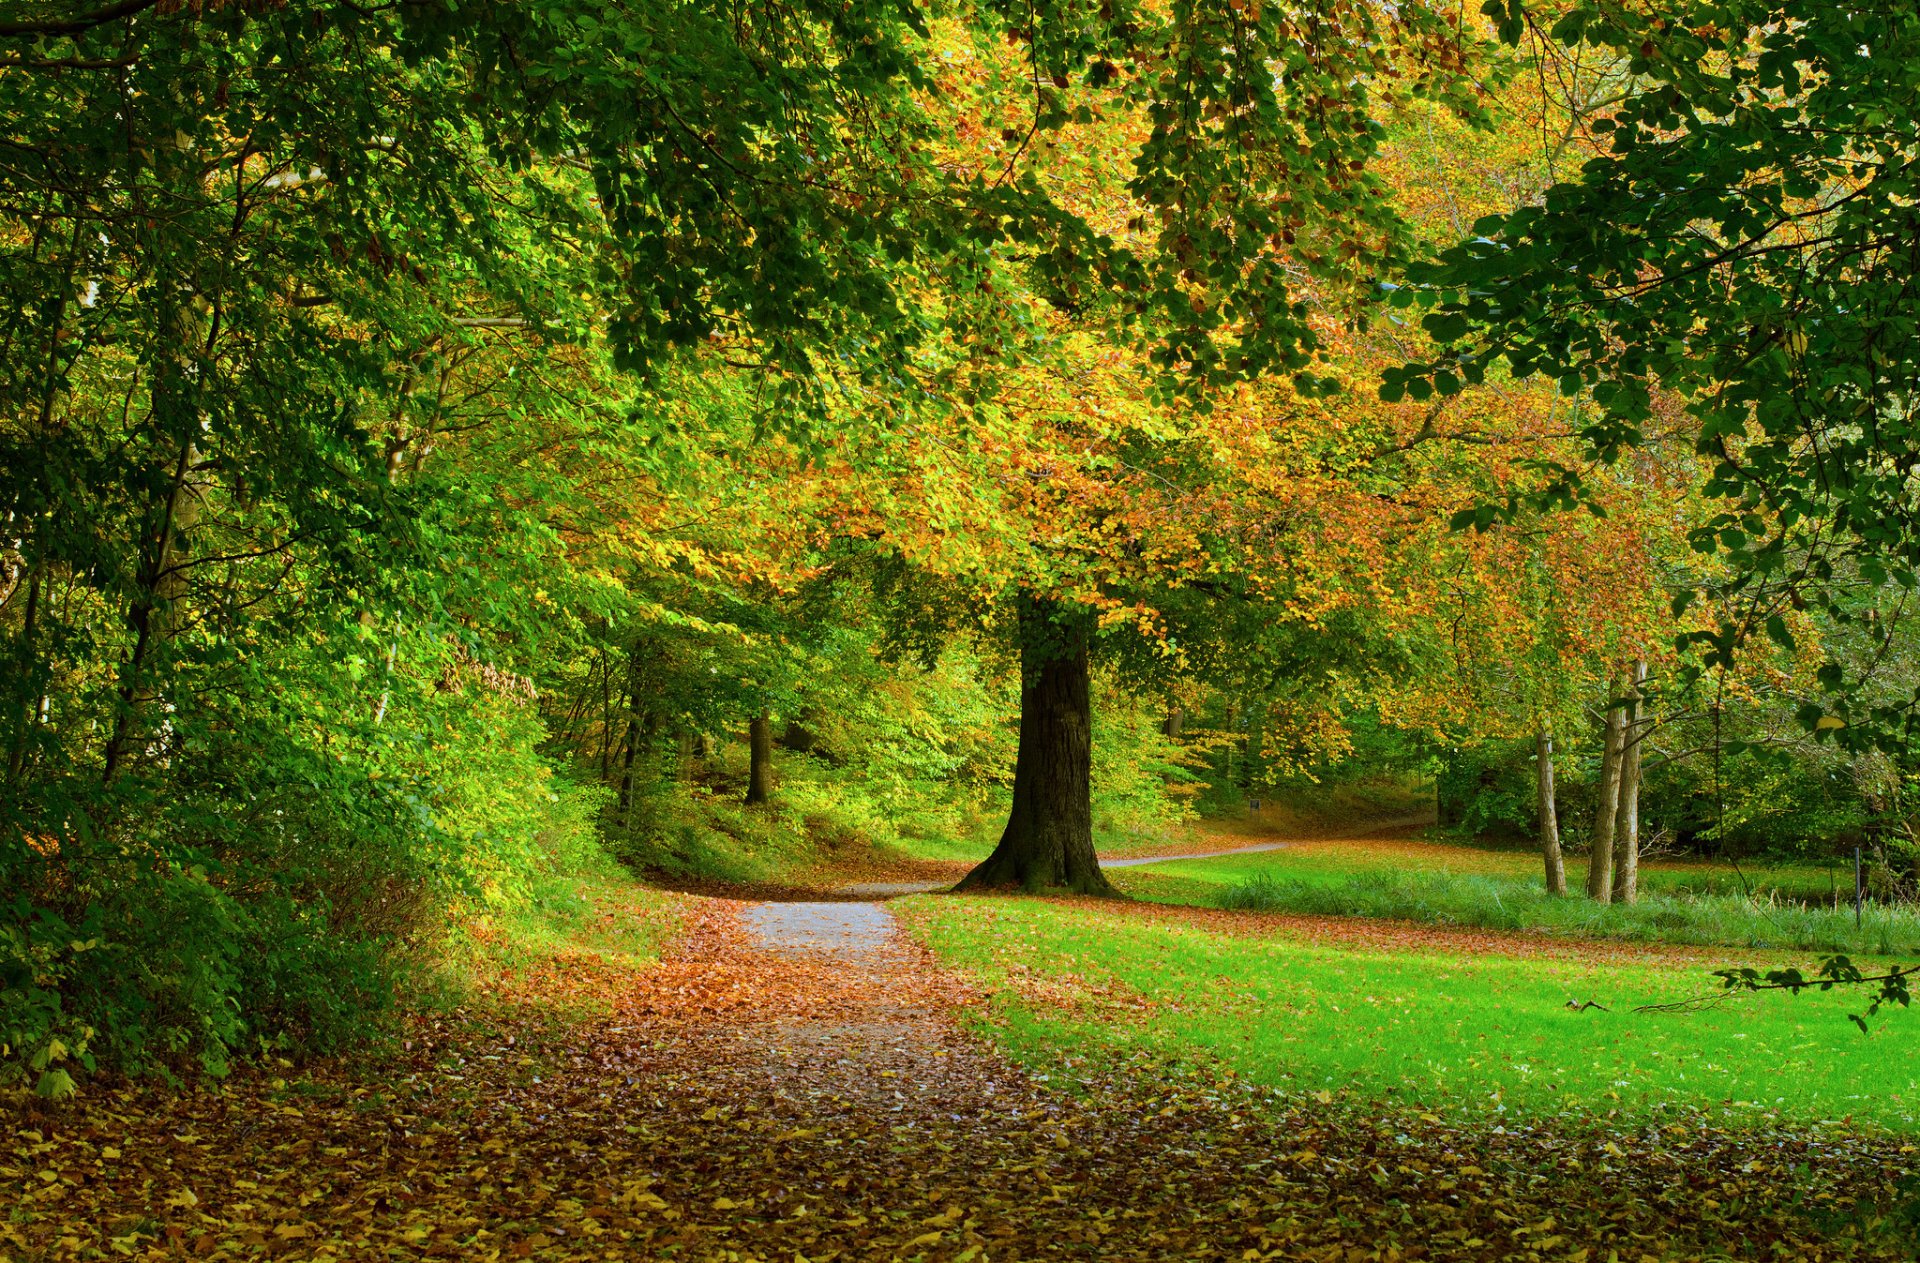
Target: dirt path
[(794, 1083)]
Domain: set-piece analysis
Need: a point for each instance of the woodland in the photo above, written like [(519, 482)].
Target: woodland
[(721, 631)]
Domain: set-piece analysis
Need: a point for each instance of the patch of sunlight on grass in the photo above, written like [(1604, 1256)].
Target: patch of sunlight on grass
[(1483, 1031)]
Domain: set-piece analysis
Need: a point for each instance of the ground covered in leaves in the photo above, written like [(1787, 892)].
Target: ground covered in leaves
[(795, 1085)]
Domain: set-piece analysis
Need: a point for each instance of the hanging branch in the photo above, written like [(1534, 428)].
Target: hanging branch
[(1891, 987)]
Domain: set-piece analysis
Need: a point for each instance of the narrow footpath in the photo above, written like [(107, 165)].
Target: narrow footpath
[(795, 1083)]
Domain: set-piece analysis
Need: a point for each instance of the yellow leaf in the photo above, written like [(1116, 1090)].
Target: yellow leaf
[(724, 1203), (926, 1238), (109, 1153), (183, 1199)]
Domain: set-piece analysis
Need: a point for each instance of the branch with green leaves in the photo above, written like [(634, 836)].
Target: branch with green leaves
[(1892, 987)]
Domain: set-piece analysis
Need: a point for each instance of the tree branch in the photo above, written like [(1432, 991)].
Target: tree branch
[(78, 25)]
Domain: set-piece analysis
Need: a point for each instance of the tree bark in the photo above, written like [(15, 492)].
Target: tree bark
[(1607, 802), (1626, 827), (27, 682), (1176, 724), (150, 614), (760, 758), (631, 744), (1549, 812), (1048, 841)]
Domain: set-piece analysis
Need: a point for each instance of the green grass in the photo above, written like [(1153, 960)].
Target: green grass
[(1509, 904), (1682, 902), (1422, 1025), (594, 906)]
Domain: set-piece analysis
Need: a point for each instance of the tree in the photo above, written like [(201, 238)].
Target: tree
[(1549, 812), (1740, 241), (1048, 841)]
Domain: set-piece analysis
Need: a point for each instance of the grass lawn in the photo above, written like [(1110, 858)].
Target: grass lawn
[(1436, 1020), (1439, 883)]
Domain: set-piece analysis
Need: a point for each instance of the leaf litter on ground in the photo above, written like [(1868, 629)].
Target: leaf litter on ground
[(740, 1101)]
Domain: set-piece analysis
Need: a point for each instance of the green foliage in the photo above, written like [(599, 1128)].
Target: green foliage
[(1739, 241), (1891, 987), (1143, 780), (1488, 790)]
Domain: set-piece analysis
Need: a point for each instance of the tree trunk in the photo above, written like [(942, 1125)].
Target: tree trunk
[(150, 616), (1626, 826), (760, 758), (1549, 812), (1176, 724), (1048, 841), (631, 743), (1607, 802), (798, 736), (27, 682)]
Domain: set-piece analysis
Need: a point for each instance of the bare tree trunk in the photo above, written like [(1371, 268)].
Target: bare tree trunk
[(1176, 723), (1626, 828), (1549, 811), (1048, 841), (1607, 802), (760, 758)]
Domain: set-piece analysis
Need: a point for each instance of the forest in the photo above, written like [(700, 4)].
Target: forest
[(1322, 594)]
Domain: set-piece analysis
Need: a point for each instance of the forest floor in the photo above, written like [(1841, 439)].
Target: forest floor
[(804, 1081)]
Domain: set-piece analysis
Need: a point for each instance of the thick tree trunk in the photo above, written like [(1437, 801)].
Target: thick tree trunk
[(1549, 812), (760, 758), (1176, 724), (1626, 825), (1048, 841), (1606, 808)]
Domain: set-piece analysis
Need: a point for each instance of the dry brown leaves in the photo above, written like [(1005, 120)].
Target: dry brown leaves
[(741, 1103)]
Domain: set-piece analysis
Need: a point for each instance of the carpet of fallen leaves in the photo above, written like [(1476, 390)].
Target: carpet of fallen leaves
[(742, 1102)]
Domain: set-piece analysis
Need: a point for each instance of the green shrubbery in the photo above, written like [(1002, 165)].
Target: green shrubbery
[(905, 761), (275, 887)]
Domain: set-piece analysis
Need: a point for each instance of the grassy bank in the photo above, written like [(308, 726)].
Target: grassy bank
[(1761, 908), (1429, 1021), (590, 919)]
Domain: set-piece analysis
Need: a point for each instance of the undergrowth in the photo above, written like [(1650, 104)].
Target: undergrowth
[(1501, 903)]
